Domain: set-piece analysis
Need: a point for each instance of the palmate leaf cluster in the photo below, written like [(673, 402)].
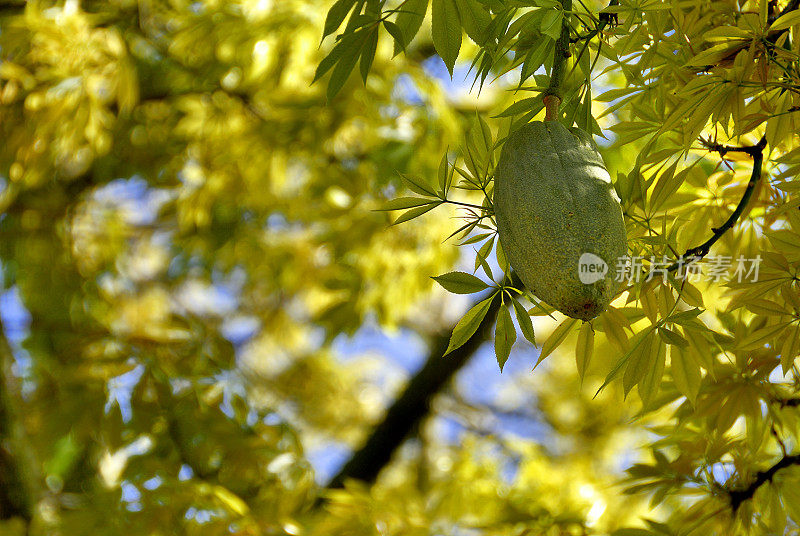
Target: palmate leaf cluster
[(686, 85)]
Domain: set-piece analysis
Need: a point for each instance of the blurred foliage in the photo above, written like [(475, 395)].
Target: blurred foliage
[(193, 207)]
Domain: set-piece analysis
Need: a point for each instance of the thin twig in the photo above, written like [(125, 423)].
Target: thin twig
[(605, 20), (757, 153), (738, 496)]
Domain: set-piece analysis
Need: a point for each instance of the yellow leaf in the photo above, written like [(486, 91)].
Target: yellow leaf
[(685, 373), (762, 336), (717, 53), (785, 21), (640, 360), (691, 294), (556, 338), (779, 124), (584, 348), (613, 326), (651, 381), (649, 303), (789, 349), (724, 33), (700, 348)]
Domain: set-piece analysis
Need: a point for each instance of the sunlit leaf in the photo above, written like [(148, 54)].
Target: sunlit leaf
[(468, 324), (336, 15), (409, 20), (461, 282), (685, 373), (556, 338)]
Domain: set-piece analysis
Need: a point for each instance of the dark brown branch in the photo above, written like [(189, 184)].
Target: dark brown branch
[(788, 402), (413, 405), (606, 19), (738, 496), (757, 153), (8, 8)]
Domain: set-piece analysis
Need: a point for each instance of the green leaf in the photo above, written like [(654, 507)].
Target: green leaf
[(584, 348), (551, 23), (585, 120), (416, 212), (402, 203), (467, 326), (460, 282), (485, 266), (368, 54), (556, 338), (482, 254), (409, 21), (446, 31), (351, 46), (418, 185), (445, 176), (336, 15), (476, 238), (524, 320), (502, 260), (397, 34), (504, 336), (330, 60), (480, 144), (521, 106), (474, 18)]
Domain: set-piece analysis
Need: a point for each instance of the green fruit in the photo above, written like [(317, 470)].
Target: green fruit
[(558, 217)]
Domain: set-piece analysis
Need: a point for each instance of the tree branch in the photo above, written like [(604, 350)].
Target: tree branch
[(757, 153), (738, 496), (15, 499), (12, 7), (412, 406)]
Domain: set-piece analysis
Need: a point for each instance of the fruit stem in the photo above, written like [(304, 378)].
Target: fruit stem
[(553, 93), (551, 105)]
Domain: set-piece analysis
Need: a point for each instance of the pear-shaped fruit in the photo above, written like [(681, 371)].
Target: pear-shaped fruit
[(559, 218)]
